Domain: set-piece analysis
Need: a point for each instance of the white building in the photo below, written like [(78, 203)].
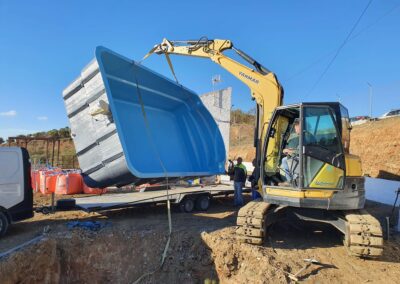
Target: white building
[(219, 103)]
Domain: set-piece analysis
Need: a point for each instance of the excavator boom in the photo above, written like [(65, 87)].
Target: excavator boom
[(264, 86)]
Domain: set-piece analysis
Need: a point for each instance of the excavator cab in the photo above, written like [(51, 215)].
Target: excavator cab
[(304, 149)]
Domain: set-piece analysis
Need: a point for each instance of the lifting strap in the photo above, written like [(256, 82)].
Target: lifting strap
[(171, 67), (147, 124)]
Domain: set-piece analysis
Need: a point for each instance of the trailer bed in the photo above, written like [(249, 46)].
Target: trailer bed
[(131, 199)]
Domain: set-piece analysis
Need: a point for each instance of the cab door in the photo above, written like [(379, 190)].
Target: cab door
[(323, 159)]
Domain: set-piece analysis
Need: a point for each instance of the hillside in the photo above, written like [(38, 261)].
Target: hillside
[(376, 142), (378, 145), (241, 141)]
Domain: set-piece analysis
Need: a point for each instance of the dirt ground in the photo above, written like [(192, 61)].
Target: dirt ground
[(203, 248)]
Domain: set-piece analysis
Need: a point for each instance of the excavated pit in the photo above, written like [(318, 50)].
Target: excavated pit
[(119, 255), (82, 257)]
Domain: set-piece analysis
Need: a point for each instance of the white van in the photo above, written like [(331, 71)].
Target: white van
[(16, 197)]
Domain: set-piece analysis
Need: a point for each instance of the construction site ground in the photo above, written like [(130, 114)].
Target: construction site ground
[(203, 248)]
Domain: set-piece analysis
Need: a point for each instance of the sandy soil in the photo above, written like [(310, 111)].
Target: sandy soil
[(203, 247), (378, 145)]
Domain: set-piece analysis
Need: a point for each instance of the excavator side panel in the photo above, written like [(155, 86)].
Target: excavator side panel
[(328, 177)]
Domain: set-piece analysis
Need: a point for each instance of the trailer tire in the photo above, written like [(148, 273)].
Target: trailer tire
[(187, 205), (3, 224), (203, 202), (46, 210)]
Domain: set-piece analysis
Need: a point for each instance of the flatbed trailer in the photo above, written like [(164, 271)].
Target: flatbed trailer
[(188, 198)]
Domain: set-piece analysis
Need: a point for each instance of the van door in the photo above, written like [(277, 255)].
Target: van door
[(11, 177), (16, 195)]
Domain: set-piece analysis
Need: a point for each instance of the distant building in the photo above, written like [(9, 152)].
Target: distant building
[(219, 103)]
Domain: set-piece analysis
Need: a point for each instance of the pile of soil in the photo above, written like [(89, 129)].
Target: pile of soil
[(378, 145), (241, 142), (247, 152)]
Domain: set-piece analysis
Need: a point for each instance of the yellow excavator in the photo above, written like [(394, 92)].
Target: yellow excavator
[(303, 165)]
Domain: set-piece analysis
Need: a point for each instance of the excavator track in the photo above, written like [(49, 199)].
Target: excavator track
[(251, 222), (364, 237)]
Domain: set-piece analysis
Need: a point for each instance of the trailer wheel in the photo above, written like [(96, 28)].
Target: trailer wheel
[(187, 205), (3, 224), (46, 210), (203, 203)]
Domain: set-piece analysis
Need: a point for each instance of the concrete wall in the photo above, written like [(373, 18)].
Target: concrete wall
[(219, 103)]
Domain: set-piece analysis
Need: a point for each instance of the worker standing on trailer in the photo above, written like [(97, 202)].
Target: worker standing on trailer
[(239, 179)]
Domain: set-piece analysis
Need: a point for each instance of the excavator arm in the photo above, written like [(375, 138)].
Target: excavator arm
[(264, 86)]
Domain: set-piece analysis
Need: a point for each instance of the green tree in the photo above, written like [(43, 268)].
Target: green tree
[(64, 132), (2, 140), (39, 134), (53, 133)]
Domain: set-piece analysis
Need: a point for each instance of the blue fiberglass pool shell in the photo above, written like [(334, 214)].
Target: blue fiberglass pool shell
[(163, 128)]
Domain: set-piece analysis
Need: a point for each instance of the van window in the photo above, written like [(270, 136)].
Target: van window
[(9, 165)]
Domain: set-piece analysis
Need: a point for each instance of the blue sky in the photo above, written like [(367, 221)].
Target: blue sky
[(45, 44)]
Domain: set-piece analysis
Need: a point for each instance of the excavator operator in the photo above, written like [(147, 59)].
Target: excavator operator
[(291, 150), (290, 162)]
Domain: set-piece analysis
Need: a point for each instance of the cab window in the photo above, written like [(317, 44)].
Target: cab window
[(320, 129), (323, 157)]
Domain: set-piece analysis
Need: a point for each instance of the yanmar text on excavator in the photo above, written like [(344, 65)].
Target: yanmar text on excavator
[(305, 171)]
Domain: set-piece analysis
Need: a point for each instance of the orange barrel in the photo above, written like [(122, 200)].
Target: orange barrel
[(70, 183), (42, 180), (50, 184), (91, 190)]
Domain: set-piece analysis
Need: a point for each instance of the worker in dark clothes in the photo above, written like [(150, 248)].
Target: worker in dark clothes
[(230, 169), (252, 179), (239, 179)]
